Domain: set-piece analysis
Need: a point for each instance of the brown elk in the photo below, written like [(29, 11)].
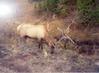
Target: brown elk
[(39, 31)]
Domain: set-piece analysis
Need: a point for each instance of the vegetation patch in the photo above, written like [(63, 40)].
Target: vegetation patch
[(88, 12), (58, 7)]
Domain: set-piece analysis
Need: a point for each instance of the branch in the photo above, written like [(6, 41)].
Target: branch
[(65, 35)]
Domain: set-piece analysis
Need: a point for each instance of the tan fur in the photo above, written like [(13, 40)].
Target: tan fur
[(34, 31)]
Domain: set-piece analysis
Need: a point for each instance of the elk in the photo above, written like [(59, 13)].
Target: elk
[(39, 31)]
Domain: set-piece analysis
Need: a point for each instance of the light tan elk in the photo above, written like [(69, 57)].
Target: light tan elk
[(39, 32)]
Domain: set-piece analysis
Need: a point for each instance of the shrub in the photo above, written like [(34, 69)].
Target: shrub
[(62, 7), (54, 6), (88, 13)]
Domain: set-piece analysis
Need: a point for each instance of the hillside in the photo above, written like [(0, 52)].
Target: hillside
[(76, 52)]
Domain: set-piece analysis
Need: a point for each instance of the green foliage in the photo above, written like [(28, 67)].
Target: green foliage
[(87, 12), (55, 6), (62, 7)]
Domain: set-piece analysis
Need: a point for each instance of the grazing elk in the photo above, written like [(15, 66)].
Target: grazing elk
[(39, 31)]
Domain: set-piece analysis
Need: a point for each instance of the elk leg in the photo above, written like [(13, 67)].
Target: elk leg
[(52, 49), (41, 44)]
